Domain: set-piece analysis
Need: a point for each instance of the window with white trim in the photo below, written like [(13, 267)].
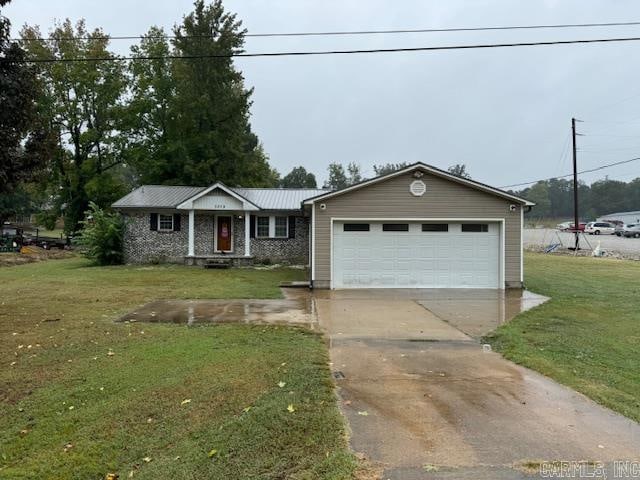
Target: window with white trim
[(281, 227), (165, 223), (262, 227)]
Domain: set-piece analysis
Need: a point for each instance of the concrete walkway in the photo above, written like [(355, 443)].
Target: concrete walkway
[(423, 399)]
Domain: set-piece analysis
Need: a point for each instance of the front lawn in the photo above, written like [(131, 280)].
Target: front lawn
[(587, 335), (83, 396)]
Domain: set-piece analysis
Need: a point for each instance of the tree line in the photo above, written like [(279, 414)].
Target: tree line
[(554, 198)]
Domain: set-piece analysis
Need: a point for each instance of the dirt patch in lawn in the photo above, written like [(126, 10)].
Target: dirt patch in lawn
[(31, 255)]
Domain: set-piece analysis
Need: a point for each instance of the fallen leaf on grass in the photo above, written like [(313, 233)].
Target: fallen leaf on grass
[(246, 409), (281, 384), (212, 453), (291, 408), (184, 402), (428, 467), (110, 353), (364, 413), (68, 447), (147, 459)]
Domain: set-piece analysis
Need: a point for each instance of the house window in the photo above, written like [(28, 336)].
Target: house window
[(262, 227), (356, 227), (281, 224), (165, 223), (395, 227), (475, 227), (435, 227)]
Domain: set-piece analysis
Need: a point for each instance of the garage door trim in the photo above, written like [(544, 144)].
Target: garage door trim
[(499, 221)]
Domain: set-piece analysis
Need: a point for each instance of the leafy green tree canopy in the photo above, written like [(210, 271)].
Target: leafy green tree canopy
[(83, 101), (339, 178), (387, 168), (26, 141), (299, 178), (459, 170)]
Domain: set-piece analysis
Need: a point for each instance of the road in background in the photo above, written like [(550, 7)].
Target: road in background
[(611, 243)]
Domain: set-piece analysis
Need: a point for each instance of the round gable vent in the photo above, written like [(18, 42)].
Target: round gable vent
[(417, 188)]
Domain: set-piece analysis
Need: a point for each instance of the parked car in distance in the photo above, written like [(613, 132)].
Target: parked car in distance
[(597, 228), (563, 226), (581, 227), (620, 229), (632, 231)]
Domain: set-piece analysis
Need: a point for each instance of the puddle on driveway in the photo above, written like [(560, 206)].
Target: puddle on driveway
[(479, 312), (294, 309)]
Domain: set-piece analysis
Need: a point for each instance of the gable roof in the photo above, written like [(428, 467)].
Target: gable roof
[(171, 197), (428, 169), (246, 204)]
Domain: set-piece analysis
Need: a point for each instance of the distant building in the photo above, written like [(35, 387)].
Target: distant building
[(625, 217)]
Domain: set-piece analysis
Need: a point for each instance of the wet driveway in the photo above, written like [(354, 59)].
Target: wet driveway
[(422, 398), (425, 401)]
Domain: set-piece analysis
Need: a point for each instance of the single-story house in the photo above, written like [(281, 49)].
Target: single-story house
[(419, 227)]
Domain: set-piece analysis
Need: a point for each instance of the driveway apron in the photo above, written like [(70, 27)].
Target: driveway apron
[(424, 399)]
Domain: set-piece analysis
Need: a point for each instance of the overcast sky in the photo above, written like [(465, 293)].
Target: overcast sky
[(503, 112)]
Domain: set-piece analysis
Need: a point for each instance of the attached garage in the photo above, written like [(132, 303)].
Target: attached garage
[(419, 227), (416, 254)]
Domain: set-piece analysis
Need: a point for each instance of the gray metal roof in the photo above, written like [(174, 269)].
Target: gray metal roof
[(278, 198), (157, 196), (164, 196)]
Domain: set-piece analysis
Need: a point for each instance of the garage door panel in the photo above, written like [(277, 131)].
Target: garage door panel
[(452, 259)]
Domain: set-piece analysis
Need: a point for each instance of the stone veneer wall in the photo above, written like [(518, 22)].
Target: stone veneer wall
[(143, 245)]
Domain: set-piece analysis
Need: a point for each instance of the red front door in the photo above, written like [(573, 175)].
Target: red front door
[(224, 234)]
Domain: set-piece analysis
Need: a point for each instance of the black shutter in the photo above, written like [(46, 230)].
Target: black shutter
[(292, 227), (153, 221), (252, 227), (176, 222)]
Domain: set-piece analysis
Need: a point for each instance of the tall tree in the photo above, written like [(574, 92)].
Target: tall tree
[(337, 177), (299, 178), (340, 178), (25, 141), (210, 138), (353, 169), (83, 100), (387, 168), (459, 170), (150, 114)]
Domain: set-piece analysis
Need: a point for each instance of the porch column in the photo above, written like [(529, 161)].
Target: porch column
[(192, 250), (247, 235)]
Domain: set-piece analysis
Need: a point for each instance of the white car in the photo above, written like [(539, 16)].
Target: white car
[(597, 228), (564, 226)]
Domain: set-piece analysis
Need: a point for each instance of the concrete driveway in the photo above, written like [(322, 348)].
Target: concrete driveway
[(423, 399)]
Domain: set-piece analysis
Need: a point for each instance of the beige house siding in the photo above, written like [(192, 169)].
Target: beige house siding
[(443, 199)]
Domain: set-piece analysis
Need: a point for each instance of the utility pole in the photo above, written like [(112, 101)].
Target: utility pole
[(576, 224)]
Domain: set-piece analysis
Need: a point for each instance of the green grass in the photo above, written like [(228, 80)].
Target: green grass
[(587, 335), (128, 406)]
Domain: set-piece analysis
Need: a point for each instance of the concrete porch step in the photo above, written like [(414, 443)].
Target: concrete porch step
[(218, 263)]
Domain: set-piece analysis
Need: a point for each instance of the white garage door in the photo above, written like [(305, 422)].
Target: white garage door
[(416, 255)]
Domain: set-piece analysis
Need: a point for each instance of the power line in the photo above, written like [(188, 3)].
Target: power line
[(367, 32), (332, 52), (602, 167)]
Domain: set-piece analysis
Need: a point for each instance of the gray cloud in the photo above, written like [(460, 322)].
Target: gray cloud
[(505, 113)]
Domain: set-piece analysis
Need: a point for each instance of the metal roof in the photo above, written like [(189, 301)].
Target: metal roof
[(165, 196), (157, 196), (278, 198)]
